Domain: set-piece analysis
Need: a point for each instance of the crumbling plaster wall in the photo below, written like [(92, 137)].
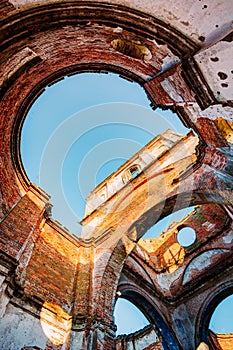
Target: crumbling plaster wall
[(19, 324), (145, 339)]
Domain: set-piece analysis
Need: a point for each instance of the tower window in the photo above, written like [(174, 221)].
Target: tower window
[(134, 170), (130, 173)]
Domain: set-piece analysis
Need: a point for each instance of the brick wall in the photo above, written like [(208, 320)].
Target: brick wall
[(44, 266)]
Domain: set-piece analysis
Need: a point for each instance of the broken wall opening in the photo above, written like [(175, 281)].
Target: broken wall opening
[(100, 121)]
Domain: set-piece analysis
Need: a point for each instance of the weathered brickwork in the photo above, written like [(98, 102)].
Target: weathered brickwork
[(164, 256), (58, 291), (5, 8), (19, 224), (221, 341), (166, 91), (52, 268)]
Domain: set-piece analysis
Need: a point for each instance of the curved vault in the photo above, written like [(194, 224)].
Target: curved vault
[(42, 42)]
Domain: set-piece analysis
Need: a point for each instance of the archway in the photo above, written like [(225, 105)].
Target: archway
[(154, 316), (46, 66), (34, 56), (220, 293)]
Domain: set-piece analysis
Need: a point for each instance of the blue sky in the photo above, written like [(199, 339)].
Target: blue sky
[(222, 320), (79, 131), (129, 319), (133, 318)]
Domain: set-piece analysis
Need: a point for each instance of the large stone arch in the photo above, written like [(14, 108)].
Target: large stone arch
[(27, 32), (50, 14), (138, 297), (123, 247), (211, 301)]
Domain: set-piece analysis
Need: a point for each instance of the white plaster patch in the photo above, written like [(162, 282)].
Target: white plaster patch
[(142, 253), (130, 346), (169, 62), (148, 339), (2, 279), (77, 340), (18, 329), (166, 279), (212, 112), (217, 69), (117, 30), (200, 263), (229, 238), (4, 300), (14, 3), (171, 91), (208, 225)]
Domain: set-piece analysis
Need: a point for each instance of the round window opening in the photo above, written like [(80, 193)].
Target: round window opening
[(186, 236)]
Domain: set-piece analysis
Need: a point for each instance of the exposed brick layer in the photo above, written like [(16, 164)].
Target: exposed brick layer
[(52, 268), (63, 289), (18, 225), (164, 255), (220, 341), (5, 8)]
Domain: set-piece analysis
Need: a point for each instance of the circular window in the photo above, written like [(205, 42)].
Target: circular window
[(186, 236)]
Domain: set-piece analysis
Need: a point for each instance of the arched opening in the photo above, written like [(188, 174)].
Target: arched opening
[(213, 316), (167, 222), (151, 316), (128, 318), (24, 29), (221, 319), (89, 124)]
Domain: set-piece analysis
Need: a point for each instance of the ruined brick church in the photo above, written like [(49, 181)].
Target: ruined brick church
[(57, 290)]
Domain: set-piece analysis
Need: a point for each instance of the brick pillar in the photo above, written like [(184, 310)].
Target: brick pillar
[(19, 230)]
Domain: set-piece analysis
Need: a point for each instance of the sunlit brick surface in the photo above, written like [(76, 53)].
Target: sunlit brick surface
[(58, 291)]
